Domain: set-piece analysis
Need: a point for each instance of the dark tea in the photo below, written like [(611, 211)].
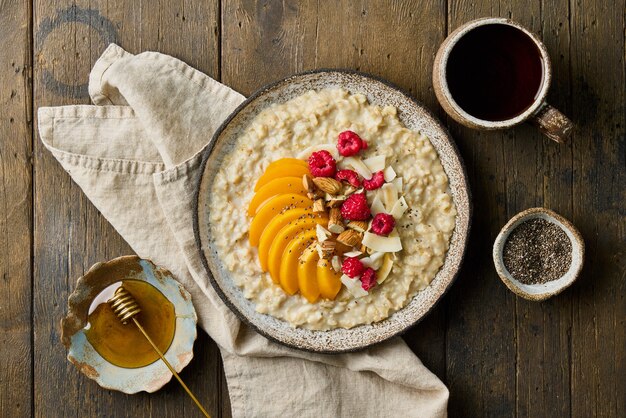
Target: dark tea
[(495, 72)]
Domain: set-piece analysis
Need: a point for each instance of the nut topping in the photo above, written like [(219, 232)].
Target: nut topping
[(318, 207), (307, 183), (314, 195), (348, 189), (335, 224), (350, 237), (359, 226), (328, 185), (312, 192), (335, 203), (328, 249)]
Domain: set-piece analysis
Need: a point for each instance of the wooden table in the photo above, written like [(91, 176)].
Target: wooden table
[(499, 355)]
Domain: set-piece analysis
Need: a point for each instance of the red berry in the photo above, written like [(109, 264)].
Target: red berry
[(368, 279), (377, 180), (322, 164), (349, 143), (383, 224), (355, 208), (352, 267), (350, 176)]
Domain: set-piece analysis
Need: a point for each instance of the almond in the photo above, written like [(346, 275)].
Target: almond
[(318, 206), (348, 189), (350, 237), (342, 248), (322, 233), (307, 183), (315, 195), (335, 203), (335, 224), (328, 185), (359, 226), (328, 249)]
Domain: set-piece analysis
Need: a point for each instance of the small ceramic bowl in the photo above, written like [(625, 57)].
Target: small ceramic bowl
[(540, 291), (81, 353)]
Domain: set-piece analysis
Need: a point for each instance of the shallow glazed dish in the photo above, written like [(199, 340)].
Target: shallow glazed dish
[(415, 117), (82, 354), (540, 291)]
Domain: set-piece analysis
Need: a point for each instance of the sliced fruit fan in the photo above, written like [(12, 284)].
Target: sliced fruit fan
[(327, 220)]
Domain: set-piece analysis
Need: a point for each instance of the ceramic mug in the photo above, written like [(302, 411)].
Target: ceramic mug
[(549, 120)]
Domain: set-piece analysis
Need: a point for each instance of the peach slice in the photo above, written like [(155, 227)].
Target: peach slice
[(283, 238), (288, 272), (270, 209), (328, 280), (276, 224), (281, 170), (288, 161), (275, 187), (307, 274)]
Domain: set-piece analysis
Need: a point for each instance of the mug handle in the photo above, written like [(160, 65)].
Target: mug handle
[(552, 123)]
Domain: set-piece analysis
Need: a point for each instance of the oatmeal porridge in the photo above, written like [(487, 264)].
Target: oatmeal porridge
[(329, 213)]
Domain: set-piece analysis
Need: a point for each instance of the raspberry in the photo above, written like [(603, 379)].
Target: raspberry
[(368, 279), (383, 224), (355, 208), (352, 267), (349, 143), (350, 176), (377, 180), (322, 164)]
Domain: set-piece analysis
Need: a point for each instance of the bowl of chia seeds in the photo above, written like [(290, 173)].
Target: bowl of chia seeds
[(538, 254)]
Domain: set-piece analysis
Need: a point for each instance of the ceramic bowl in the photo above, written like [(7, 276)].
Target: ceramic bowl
[(540, 291), (81, 353), (415, 117)]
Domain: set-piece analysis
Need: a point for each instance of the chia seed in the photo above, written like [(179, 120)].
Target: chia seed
[(537, 251)]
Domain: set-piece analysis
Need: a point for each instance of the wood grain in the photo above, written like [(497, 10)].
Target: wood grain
[(481, 349), (70, 235), (599, 153), (498, 354), (15, 209), (543, 330)]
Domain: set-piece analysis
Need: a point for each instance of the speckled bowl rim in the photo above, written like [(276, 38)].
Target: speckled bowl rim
[(344, 340), (578, 255), (153, 376)]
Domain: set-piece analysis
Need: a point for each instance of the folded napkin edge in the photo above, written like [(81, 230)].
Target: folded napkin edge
[(111, 54)]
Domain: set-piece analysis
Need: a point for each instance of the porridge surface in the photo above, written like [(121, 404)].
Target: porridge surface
[(284, 130)]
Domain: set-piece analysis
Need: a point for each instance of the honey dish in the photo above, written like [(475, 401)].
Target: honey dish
[(116, 355), (334, 202)]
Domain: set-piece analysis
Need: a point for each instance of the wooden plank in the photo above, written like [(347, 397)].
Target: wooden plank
[(542, 177), (15, 209), (599, 152), (70, 235), (481, 349), (505, 356), (264, 41)]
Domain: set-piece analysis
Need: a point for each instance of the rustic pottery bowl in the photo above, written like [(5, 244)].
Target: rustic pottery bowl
[(415, 117), (81, 353), (540, 291)]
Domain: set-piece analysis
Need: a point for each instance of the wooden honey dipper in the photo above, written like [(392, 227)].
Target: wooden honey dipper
[(126, 308)]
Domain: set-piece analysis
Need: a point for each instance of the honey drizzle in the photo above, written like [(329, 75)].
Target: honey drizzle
[(124, 345)]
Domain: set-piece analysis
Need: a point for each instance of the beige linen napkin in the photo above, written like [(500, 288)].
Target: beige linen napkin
[(136, 154)]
